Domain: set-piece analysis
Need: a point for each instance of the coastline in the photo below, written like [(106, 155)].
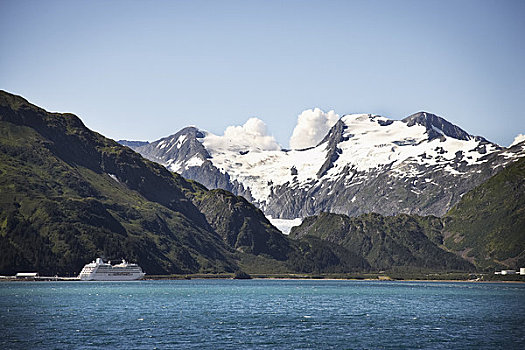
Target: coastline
[(380, 277), (486, 278)]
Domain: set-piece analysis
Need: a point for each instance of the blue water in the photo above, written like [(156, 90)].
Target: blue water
[(261, 314)]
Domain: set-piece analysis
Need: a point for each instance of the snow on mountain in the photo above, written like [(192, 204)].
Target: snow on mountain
[(365, 163), (285, 225), (372, 142), (258, 169)]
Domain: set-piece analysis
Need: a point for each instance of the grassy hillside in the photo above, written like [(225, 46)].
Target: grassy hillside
[(69, 195), (488, 224), (386, 242), (249, 232)]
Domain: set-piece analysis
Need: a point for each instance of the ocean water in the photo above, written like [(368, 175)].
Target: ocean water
[(261, 314)]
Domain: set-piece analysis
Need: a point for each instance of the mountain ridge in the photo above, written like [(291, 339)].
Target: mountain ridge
[(422, 164), (69, 195), (486, 228), (386, 242), (437, 127)]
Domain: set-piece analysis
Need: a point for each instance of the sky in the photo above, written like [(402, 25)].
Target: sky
[(142, 70)]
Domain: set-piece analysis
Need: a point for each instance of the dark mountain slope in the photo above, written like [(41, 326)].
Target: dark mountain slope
[(386, 242), (437, 127), (488, 224), (69, 195), (248, 231)]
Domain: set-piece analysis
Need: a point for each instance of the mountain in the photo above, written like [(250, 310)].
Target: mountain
[(247, 230), (486, 228), (366, 163), (69, 195), (488, 225), (185, 153), (401, 242)]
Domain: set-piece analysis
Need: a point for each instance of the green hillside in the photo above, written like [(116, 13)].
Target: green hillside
[(488, 225), (402, 242), (60, 207), (249, 232)]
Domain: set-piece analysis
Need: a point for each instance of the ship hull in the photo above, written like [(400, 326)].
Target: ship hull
[(111, 277), (100, 271)]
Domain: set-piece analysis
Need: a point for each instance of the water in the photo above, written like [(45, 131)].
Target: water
[(261, 314)]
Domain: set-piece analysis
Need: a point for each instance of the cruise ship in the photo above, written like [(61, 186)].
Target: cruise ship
[(98, 270)]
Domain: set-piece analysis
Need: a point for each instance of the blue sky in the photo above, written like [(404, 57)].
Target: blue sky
[(141, 70)]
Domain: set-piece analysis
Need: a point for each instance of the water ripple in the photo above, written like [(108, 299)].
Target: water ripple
[(261, 314)]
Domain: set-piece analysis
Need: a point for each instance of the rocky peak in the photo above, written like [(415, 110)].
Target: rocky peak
[(182, 145), (437, 127), (365, 163), (332, 139)]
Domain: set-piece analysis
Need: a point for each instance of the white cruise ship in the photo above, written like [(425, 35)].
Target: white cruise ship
[(100, 271)]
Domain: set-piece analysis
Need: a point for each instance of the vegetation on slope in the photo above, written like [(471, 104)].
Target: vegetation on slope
[(246, 229), (386, 242), (60, 207), (488, 224)]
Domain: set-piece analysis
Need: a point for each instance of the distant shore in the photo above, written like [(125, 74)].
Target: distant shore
[(408, 277), (433, 277)]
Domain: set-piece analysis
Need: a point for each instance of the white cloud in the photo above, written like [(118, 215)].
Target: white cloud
[(252, 134), (518, 139), (312, 126)]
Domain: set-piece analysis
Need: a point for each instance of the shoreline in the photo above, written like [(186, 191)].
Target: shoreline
[(15, 280), (287, 277)]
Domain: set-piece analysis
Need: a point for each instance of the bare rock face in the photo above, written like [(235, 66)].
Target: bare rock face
[(437, 127)]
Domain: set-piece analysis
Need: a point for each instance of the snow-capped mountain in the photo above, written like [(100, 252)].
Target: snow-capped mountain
[(366, 163)]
